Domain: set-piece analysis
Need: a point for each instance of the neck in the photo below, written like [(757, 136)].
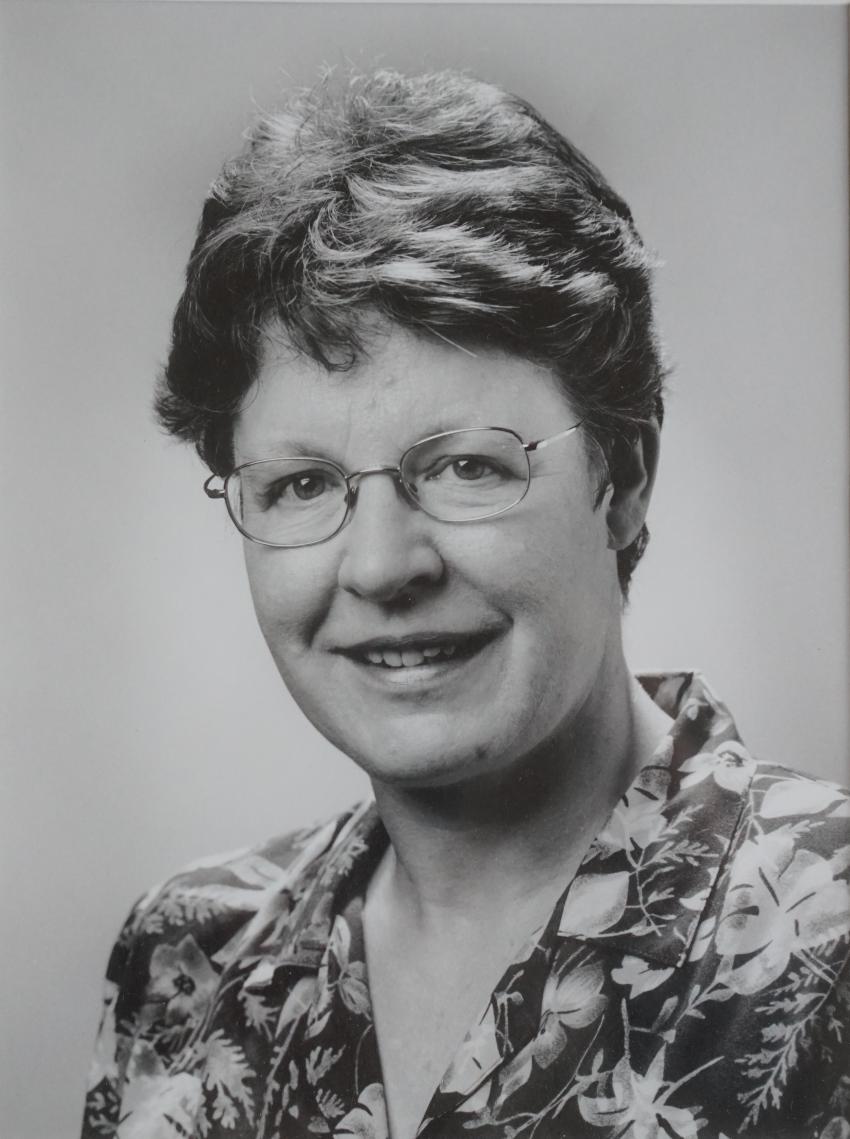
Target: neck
[(515, 838)]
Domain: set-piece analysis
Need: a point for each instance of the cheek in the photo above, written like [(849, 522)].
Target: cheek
[(290, 595), (556, 565), (566, 610)]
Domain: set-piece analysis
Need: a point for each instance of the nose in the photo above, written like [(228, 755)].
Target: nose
[(389, 549)]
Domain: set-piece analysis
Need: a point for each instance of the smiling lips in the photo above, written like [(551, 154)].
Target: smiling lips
[(410, 658), (417, 649)]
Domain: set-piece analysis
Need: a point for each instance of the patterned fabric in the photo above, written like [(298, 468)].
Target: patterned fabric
[(692, 981)]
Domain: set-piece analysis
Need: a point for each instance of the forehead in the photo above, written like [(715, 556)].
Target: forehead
[(403, 387)]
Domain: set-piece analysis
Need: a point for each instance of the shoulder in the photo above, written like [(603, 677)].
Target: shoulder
[(211, 897), (793, 831), (778, 792), (175, 947), (789, 816), (193, 924), (784, 894), (773, 951)]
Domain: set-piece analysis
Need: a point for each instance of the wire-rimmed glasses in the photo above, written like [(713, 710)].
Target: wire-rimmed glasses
[(457, 476)]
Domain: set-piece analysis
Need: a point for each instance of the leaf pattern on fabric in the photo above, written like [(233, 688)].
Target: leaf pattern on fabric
[(799, 798), (639, 976), (226, 1074), (598, 901), (367, 1120), (350, 978), (692, 980), (731, 767), (157, 1104), (781, 901), (638, 1104)]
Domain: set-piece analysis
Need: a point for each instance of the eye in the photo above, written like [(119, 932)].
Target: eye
[(471, 467), (465, 468), (306, 486), (309, 485)]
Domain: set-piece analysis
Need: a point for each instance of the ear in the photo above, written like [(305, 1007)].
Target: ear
[(633, 465)]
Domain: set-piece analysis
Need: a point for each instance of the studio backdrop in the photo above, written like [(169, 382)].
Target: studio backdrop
[(143, 723)]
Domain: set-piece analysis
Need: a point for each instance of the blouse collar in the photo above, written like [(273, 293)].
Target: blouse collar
[(680, 815)]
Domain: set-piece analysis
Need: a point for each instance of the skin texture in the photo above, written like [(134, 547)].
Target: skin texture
[(541, 578), (491, 775)]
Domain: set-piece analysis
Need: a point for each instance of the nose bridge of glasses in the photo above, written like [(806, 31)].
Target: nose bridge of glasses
[(404, 491), (353, 480)]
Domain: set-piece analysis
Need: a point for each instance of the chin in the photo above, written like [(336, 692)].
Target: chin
[(417, 774), (414, 762), (420, 758)]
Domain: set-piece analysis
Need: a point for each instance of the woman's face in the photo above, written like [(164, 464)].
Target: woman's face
[(533, 591)]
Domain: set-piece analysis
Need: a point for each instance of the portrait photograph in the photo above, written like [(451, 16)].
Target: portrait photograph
[(425, 570)]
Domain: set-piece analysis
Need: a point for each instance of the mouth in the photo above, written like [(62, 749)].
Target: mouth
[(418, 651)]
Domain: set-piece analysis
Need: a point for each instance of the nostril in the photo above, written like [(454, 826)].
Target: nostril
[(386, 560)]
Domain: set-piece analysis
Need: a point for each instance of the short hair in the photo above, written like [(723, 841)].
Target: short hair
[(441, 203)]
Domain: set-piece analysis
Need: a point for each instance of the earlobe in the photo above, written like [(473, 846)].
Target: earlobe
[(633, 466)]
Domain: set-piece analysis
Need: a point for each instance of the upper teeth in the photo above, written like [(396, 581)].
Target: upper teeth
[(408, 657)]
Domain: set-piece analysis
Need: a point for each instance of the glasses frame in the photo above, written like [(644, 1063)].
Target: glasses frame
[(352, 482)]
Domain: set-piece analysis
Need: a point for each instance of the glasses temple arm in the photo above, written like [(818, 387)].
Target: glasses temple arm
[(213, 491), (539, 444)]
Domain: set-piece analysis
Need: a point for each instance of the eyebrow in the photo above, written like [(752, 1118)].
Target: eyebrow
[(281, 448)]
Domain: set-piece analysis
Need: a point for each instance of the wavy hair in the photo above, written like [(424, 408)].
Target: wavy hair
[(441, 203)]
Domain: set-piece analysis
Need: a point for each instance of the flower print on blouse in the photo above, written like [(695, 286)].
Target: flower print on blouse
[(692, 981)]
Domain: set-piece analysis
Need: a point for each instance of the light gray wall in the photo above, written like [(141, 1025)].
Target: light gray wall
[(145, 724)]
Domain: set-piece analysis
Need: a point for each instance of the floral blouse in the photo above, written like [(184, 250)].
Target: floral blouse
[(692, 980)]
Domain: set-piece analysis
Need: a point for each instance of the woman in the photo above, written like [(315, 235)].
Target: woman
[(416, 349)]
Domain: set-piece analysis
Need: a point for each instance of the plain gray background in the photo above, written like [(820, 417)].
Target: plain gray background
[(144, 723)]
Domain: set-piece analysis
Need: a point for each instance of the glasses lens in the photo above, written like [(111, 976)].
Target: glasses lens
[(287, 502), (464, 475)]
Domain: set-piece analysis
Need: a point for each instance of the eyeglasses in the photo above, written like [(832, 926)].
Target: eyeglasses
[(457, 476)]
